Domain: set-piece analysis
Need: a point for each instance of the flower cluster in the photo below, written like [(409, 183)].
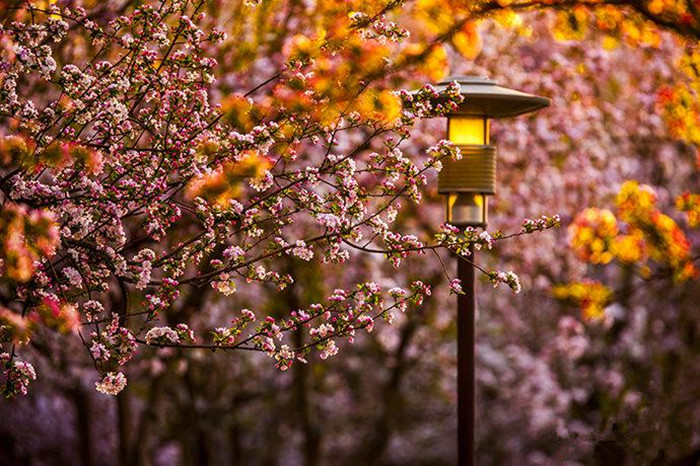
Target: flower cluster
[(302, 251), (509, 278), (15, 376), (456, 286), (541, 224), (345, 312), (118, 344), (111, 383), (162, 335), (166, 336), (377, 27), (443, 150), (427, 102)]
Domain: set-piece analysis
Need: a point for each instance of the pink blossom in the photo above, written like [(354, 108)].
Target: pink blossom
[(112, 383)]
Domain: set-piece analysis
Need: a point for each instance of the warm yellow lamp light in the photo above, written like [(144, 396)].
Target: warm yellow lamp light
[(468, 130)]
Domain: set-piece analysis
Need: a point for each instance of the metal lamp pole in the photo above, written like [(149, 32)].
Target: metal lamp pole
[(466, 362), (467, 183)]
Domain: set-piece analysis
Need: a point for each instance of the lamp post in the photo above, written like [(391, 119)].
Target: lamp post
[(466, 184)]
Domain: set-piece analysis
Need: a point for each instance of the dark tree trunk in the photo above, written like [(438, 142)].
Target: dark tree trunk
[(305, 409), (124, 420), (140, 447), (375, 446), (81, 401)]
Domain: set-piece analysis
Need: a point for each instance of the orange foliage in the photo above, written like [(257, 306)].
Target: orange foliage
[(681, 109), (25, 236), (13, 327), (224, 184), (666, 242), (649, 234), (592, 233), (467, 41), (433, 62), (63, 318), (18, 151), (240, 112), (690, 204)]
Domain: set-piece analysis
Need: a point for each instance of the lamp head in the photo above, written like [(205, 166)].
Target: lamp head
[(467, 182)]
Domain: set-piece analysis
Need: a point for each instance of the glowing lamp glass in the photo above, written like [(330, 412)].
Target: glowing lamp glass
[(468, 130), (467, 209)]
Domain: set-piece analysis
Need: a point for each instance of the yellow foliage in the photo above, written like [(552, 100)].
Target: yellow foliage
[(610, 43), (680, 104), (302, 47), (629, 248), (435, 15), (572, 24), (591, 296), (14, 150), (635, 200), (432, 64), (379, 105), (43, 4), (240, 112), (609, 18), (508, 18), (657, 7)]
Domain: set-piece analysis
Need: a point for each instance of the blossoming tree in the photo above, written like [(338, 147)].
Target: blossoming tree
[(127, 179)]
